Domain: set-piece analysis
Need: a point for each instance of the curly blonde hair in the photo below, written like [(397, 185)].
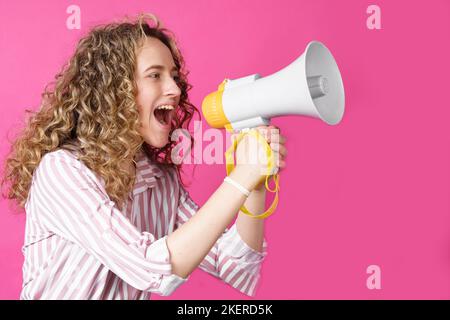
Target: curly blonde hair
[(92, 106)]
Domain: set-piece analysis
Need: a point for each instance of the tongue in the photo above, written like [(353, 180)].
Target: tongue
[(161, 116)]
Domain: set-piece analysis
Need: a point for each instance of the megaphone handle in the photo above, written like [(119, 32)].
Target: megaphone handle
[(229, 159)]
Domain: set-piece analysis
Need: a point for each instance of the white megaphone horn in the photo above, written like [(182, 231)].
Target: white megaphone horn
[(309, 86)]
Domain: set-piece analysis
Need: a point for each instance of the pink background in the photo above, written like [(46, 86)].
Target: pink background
[(373, 190)]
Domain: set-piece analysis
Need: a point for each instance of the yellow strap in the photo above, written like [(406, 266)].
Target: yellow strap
[(229, 160)]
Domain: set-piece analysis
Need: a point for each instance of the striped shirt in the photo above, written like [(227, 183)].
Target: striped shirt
[(79, 245)]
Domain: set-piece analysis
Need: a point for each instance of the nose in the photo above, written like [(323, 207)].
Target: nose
[(172, 88)]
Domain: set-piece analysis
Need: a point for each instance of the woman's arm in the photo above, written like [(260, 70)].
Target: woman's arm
[(250, 229), (189, 244)]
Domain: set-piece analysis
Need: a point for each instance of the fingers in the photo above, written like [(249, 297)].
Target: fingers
[(280, 163), (276, 142), (280, 160), (271, 133), (278, 147)]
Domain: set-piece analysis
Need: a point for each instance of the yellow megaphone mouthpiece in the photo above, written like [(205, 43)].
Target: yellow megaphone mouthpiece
[(212, 108)]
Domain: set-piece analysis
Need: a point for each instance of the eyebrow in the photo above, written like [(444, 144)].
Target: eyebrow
[(160, 68)]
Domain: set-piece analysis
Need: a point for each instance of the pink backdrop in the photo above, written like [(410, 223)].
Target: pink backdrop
[(373, 190)]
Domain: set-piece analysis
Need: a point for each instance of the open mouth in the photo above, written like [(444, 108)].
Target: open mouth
[(164, 114)]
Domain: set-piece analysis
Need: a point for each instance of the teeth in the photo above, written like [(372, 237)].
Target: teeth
[(166, 107)]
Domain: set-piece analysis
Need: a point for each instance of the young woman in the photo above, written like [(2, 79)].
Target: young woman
[(107, 215)]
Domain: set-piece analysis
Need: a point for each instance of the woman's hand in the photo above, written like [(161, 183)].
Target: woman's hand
[(252, 154), (277, 144)]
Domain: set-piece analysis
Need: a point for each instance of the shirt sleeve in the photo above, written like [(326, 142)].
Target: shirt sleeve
[(230, 259), (77, 208)]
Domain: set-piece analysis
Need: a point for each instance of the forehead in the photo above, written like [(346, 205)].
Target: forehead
[(154, 52)]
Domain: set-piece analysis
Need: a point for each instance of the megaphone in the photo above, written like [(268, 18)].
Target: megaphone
[(309, 86)]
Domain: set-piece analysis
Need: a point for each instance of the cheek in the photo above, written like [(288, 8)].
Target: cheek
[(144, 108), (144, 114)]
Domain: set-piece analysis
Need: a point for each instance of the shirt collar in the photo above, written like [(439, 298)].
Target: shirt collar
[(147, 173)]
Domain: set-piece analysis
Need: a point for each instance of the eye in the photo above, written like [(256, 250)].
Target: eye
[(154, 75)]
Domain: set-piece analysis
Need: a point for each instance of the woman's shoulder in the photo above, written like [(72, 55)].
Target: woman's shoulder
[(62, 154), (64, 157), (64, 162)]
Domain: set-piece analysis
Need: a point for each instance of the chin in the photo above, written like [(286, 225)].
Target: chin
[(158, 142), (159, 145)]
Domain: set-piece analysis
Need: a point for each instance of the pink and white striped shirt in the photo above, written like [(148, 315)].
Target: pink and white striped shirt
[(79, 245)]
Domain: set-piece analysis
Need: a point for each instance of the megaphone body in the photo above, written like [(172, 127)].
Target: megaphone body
[(310, 86)]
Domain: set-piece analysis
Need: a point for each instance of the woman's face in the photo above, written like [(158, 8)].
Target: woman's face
[(158, 92)]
